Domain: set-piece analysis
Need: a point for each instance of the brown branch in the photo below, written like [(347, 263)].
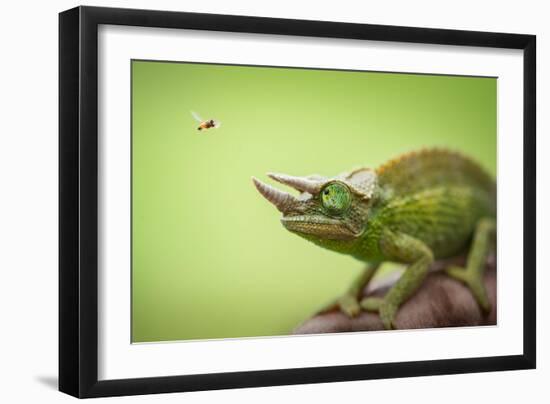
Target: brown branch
[(440, 302)]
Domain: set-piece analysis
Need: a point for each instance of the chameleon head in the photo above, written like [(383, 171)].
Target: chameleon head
[(326, 209)]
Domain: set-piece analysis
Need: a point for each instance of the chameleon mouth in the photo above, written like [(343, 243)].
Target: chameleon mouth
[(323, 227)]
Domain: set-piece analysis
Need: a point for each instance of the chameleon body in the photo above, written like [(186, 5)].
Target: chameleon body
[(417, 208)]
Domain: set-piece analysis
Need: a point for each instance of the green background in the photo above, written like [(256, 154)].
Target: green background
[(210, 258)]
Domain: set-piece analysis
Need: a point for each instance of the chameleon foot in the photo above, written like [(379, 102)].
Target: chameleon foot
[(474, 283), (371, 303), (349, 305), (385, 309), (472, 275), (387, 314)]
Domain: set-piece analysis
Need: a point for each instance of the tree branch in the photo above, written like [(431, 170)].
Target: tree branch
[(440, 302)]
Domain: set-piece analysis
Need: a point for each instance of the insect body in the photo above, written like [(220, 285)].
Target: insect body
[(205, 124)]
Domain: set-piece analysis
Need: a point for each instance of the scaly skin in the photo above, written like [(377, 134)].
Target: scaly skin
[(419, 207)]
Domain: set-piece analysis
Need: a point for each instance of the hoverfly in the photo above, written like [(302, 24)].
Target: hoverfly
[(205, 124)]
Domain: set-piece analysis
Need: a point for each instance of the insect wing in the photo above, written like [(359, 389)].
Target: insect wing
[(196, 116), (217, 124)]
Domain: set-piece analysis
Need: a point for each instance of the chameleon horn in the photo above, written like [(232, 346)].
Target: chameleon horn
[(298, 183), (281, 200)]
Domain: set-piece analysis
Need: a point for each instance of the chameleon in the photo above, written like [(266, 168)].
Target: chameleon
[(422, 206)]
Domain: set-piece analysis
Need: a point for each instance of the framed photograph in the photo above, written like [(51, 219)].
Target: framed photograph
[(250, 201)]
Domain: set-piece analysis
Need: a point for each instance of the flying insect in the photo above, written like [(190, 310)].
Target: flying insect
[(205, 124)]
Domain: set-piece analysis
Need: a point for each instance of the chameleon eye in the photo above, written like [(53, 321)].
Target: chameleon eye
[(336, 197)]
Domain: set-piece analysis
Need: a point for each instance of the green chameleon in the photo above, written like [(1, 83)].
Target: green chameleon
[(422, 206)]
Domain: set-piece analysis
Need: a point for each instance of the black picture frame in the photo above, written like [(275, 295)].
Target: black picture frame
[(78, 201)]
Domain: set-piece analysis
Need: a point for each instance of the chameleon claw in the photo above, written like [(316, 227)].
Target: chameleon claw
[(387, 315), (349, 306), (371, 303)]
